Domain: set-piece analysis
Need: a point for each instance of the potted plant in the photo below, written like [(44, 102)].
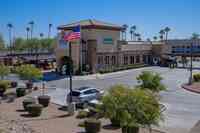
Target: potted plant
[(13, 84), (132, 107), (20, 92), (28, 101), (3, 86), (92, 125), (44, 100), (34, 109)]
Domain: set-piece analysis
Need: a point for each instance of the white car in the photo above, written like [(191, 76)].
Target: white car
[(85, 94)]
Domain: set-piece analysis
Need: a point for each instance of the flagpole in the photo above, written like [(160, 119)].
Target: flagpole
[(81, 50), (70, 72)]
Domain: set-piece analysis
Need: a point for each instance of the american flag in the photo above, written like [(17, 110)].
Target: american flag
[(74, 34)]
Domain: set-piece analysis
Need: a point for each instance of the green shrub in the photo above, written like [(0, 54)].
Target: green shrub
[(151, 81), (20, 92), (4, 85), (82, 114), (28, 101), (34, 109), (44, 100), (131, 107), (4, 71), (81, 124), (196, 77), (92, 125), (29, 72)]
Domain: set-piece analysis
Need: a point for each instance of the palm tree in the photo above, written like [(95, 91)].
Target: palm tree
[(148, 40), (10, 26), (41, 35), (162, 32), (27, 32), (132, 32), (155, 38), (32, 25), (167, 30), (49, 34), (125, 26), (195, 36)]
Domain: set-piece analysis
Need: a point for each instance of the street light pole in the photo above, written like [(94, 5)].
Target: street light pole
[(191, 65)]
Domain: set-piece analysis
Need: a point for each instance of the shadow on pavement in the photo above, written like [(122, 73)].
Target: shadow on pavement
[(50, 76)]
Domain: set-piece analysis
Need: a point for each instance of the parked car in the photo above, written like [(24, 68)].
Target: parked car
[(85, 95)]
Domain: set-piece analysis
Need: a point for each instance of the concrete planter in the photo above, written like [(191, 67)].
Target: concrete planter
[(71, 108)]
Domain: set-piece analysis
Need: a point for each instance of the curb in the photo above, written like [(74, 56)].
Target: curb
[(184, 86)]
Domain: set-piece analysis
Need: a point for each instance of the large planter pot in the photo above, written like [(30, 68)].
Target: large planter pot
[(14, 84), (115, 122), (20, 92), (92, 126), (2, 91), (130, 129), (71, 108), (27, 102), (34, 109), (44, 100), (29, 85)]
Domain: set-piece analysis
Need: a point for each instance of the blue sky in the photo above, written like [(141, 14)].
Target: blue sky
[(182, 16)]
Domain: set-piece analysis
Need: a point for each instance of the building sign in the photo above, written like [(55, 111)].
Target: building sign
[(107, 41)]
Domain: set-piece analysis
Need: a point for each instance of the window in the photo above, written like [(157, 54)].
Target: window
[(132, 61), (100, 59), (113, 60), (107, 59), (137, 59), (125, 60), (144, 58), (90, 91)]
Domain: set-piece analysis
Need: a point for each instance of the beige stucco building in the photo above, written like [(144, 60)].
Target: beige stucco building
[(101, 47)]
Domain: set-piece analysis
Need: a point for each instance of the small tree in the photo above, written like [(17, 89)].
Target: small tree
[(133, 108), (151, 81), (29, 72), (4, 71)]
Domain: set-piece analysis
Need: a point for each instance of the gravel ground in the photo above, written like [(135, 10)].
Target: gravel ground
[(14, 120)]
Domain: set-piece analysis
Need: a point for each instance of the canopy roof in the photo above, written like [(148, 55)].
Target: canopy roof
[(91, 24)]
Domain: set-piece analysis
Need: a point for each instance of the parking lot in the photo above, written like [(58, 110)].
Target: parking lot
[(183, 107)]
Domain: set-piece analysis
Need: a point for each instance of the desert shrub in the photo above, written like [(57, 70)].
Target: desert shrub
[(196, 77), (151, 81), (29, 72), (131, 107), (4, 85), (92, 125), (82, 114), (4, 71)]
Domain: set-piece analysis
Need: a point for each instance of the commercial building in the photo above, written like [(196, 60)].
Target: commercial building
[(101, 47)]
